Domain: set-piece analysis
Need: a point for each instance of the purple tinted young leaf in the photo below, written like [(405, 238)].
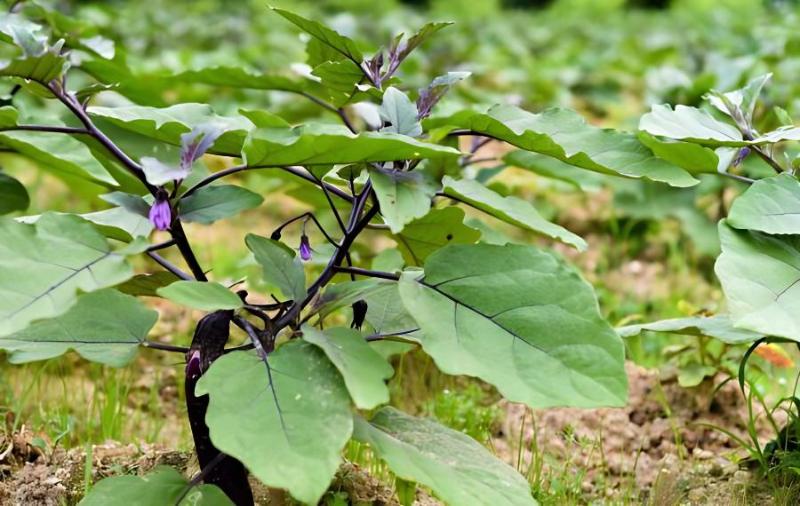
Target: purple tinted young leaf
[(194, 144), (161, 214), (430, 96), (400, 49)]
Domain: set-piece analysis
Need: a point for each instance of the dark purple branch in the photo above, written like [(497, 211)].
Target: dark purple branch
[(366, 272), (46, 128), (163, 262), (164, 346)]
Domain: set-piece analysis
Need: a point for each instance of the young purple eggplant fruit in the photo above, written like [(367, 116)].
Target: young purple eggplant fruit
[(305, 248)]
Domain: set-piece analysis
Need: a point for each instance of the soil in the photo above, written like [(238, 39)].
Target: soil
[(653, 451)]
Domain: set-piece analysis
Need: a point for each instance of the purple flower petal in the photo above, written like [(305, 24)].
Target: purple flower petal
[(194, 144), (161, 214), (305, 248)]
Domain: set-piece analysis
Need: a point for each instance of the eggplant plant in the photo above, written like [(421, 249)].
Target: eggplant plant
[(381, 166)]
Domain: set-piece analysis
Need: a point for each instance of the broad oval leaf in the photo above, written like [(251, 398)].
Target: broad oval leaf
[(400, 113), (564, 135), (435, 230), (363, 369), (770, 205), (760, 276), (162, 487), (44, 265), (520, 319), (105, 326), (691, 124), (280, 265), (339, 43), (217, 202), (509, 209), (319, 144), (457, 468), (286, 419), (403, 196), (203, 295)]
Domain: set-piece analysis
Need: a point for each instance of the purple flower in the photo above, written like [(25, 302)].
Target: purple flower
[(305, 248), (161, 214)]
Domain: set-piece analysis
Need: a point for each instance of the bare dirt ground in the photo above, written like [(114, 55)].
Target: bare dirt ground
[(650, 452)]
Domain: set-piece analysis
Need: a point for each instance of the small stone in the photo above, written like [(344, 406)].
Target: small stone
[(701, 454), (741, 477)]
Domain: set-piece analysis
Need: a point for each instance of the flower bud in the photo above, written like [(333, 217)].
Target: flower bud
[(305, 248), (161, 214), (740, 156)]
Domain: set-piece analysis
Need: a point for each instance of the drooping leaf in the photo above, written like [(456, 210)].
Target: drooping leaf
[(399, 113), (509, 209), (456, 467), (363, 369), (717, 326), (13, 195), (760, 276), (564, 135), (293, 410), (695, 158), (147, 284), (162, 487), (403, 196), (280, 266), (319, 144), (217, 202), (120, 223), (105, 326), (44, 265), (167, 124), (520, 319), (206, 296), (41, 66), (770, 205), (341, 44), (435, 230)]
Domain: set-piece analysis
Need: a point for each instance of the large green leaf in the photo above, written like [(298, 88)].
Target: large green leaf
[(203, 295), (509, 209), (564, 135), (435, 230), (237, 77), (280, 265), (105, 326), (399, 113), (162, 487), (339, 43), (319, 144), (41, 66), (457, 468), (44, 265), (217, 202), (760, 276), (286, 420), (58, 153), (695, 125), (339, 79), (168, 123), (717, 326), (13, 196), (552, 168), (363, 369), (403, 196), (520, 319), (770, 205)]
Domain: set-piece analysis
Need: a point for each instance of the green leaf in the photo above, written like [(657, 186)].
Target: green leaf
[(13, 196), (770, 205), (120, 223), (300, 418), (363, 369), (403, 196), (400, 113), (105, 326), (520, 319), (695, 158), (44, 265), (423, 34), (58, 153), (457, 468), (237, 77), (692, 374), (717, 326), (339, 78), (168, 123), (41, 67), (760, 276), (147, 284), (212, 203), (203, 295), (341, 44), (743, 101), (435, 230), (553, 168), (280, 266), (563, 134), (162, 487), (320, 144), (508, 209)]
